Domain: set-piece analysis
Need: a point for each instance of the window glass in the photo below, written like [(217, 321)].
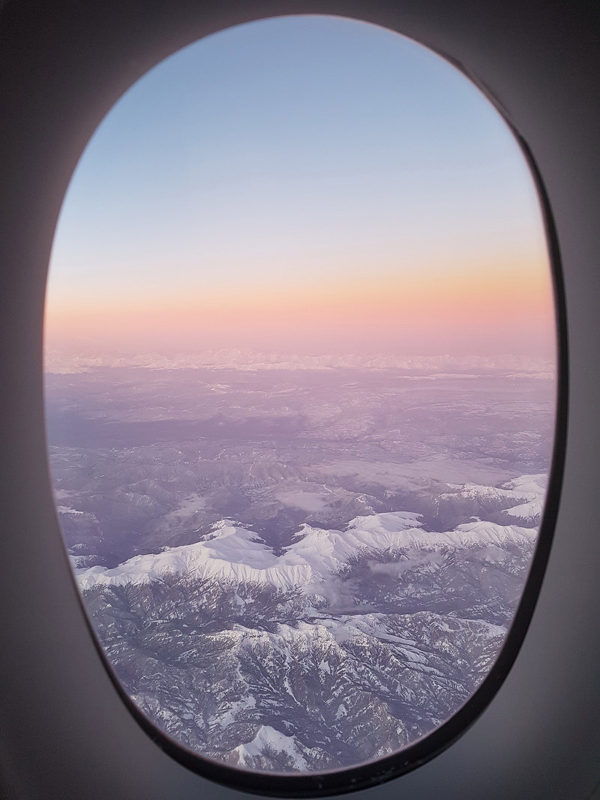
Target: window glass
[(300, 380)]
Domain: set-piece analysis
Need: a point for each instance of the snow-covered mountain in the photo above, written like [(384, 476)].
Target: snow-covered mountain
[(234, 554), (345, 647), (520, 499)]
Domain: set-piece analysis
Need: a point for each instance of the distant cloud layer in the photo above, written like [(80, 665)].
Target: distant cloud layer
[(432, 367)]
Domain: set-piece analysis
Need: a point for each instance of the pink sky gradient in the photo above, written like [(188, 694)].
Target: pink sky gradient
[(211, 214), (500, 310)]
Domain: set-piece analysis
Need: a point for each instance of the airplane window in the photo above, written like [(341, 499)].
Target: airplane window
[(300, 380)]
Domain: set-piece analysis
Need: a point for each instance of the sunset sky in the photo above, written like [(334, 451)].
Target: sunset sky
[(308, 184)]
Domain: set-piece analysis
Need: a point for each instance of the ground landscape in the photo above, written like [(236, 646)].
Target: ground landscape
[(300, 564)]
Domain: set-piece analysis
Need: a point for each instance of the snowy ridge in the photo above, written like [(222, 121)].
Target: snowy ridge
[(266, 739), (528, 493), (234, 554)]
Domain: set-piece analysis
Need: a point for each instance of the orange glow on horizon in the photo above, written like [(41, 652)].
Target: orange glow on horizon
[(430, 306), (519, 285)]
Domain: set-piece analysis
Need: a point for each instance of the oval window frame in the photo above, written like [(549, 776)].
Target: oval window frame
[(367, 774)]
